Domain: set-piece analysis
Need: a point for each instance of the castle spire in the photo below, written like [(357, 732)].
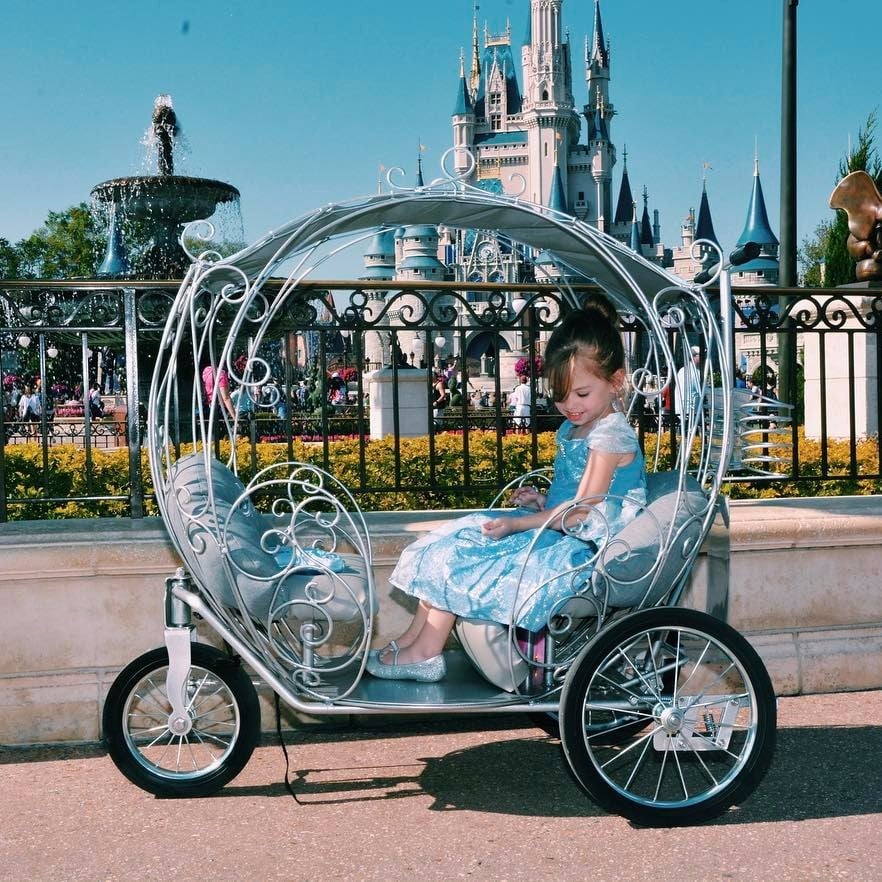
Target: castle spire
[(756, 226), (557, 199), (634, 243), (463, 104), (645, 224), (704, 227), (626, 200), (599, 47), (475, 79), (419, 175)]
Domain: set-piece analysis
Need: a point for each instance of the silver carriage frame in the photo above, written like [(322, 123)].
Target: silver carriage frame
[(305, 624)]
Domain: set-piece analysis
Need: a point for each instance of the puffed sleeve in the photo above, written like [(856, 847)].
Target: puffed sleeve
[(613, 434)]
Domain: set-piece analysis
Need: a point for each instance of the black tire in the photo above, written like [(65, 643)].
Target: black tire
[(699, 747), (224, 715)]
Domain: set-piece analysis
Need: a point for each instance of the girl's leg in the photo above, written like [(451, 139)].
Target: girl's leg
[(430, 640), (415, 626)]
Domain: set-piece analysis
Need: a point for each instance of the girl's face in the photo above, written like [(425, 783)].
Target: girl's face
[(589, 397)]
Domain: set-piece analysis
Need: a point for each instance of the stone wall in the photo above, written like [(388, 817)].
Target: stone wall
[(80, 599)]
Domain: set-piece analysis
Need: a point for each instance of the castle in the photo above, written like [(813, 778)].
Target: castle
[(527, 140)]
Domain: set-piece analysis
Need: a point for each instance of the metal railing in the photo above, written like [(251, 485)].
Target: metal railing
[(78, 334)]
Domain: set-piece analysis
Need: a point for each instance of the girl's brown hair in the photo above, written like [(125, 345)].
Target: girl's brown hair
[(589, 332)]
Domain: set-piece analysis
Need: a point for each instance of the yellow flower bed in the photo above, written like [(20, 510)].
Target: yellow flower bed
[(438, 470)]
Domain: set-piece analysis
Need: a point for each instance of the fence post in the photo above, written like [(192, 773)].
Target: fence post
[(133, 427)]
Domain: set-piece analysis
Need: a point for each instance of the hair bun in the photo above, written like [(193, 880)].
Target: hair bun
[(602, 304)]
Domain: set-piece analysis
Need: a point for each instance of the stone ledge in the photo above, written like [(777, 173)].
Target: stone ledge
[(82, 598)]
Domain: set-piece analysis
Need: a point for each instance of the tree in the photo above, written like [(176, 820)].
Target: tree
[(9, 260), (68, 245), (824, 256)]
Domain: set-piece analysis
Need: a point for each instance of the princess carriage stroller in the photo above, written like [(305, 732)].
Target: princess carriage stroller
[(666, 714)]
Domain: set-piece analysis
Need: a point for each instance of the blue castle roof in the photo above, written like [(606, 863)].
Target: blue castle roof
[(378, 273), (626, 201), (557, 198), (501, 53), (381, 245), (421, 261), (645, 223), (757, 227), (634, 242), (463, 104), (598, 44), (501, 138), (704, 228), (417, 231)]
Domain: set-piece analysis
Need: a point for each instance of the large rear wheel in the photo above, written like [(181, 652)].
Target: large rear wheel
[(220, 735), (668, 717)]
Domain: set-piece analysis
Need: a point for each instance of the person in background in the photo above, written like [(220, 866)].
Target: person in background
[(687, 398), (96, 405), (440, 398), (30, 409), (520, 399), (223, 388)]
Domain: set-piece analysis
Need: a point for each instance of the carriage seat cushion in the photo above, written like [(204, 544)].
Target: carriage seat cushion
[(673, 518), (201, 525)]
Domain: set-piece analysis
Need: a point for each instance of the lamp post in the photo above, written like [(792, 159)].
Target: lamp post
[(787, 253)]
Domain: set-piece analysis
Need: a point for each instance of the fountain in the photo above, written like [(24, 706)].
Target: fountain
[(155, 207)]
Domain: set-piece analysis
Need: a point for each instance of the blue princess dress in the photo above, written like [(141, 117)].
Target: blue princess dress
[(458, 568)]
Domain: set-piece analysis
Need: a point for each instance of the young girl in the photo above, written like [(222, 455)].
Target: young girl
[(475, 566)]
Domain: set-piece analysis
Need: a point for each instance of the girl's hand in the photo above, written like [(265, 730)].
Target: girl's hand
[(528, 497), (499, 528)]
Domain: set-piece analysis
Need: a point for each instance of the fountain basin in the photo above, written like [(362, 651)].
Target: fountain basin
[(170, 197)]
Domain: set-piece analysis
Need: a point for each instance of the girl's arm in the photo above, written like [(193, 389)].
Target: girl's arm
[(595, 483)]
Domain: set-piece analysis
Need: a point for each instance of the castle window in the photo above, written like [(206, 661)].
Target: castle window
[(581, 196), (495, 122), (545, 94), (495, 100)]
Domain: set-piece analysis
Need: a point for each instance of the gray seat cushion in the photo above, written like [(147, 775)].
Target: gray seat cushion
[(223, 540), (629, 565)]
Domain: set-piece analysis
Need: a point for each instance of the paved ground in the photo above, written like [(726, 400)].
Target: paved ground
[(446, 801)]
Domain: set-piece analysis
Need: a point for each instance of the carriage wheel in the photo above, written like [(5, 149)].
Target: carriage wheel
[(224, 724), (668, 717)]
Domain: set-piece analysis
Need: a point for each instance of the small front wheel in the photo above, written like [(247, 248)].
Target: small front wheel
[(668, 717), (224, 723)]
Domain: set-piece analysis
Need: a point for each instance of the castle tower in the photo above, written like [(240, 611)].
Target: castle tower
[(548, 114), (530, 137), (463, 121), (379, 265), (762, 270), (598, 114)]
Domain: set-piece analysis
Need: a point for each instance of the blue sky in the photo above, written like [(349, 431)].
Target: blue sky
[(297, 103)]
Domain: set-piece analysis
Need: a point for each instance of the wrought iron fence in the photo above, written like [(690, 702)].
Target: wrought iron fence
[(89, 346)]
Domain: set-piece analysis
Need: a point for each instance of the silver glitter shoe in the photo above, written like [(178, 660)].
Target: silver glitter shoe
[(429, 671)]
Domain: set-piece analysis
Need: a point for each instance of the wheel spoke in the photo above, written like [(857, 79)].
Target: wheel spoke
[(695, 667), (639, 763)]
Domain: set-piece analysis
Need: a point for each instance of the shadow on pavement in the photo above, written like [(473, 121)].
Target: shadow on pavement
[(816, 773)]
